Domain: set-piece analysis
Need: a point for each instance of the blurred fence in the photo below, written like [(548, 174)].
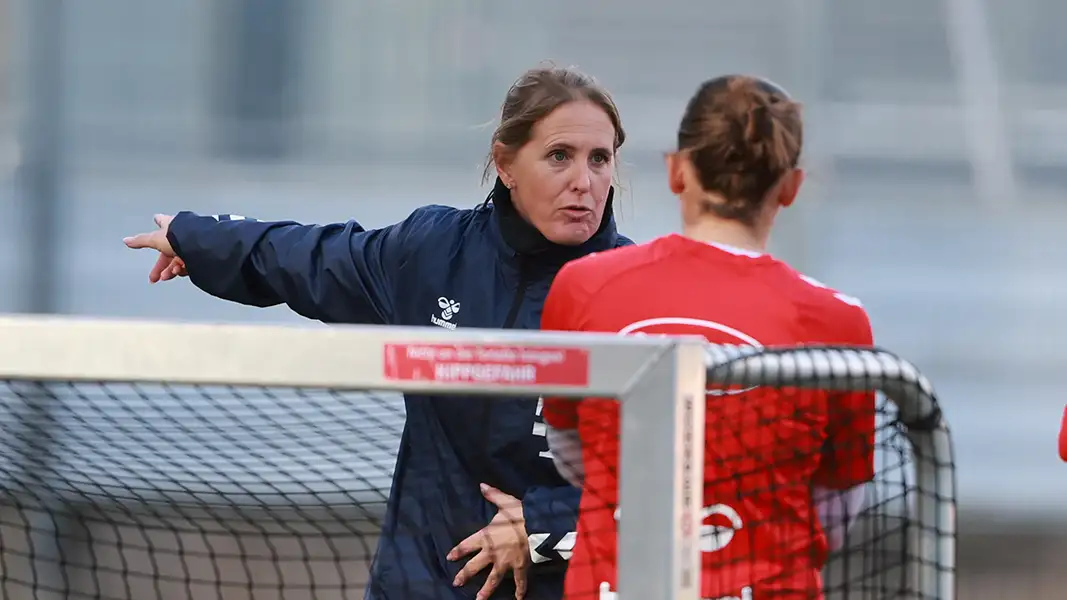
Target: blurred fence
[(337, 109)]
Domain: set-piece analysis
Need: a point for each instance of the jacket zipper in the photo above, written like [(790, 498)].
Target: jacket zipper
[(509, 322), (516, 302)]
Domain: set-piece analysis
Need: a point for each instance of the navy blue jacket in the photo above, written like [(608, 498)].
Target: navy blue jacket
[(484, 267)]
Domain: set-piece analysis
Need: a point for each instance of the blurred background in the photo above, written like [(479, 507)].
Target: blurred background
[(937, 147)]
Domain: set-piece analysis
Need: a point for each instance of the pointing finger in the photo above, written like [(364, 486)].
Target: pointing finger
[(141, 240)]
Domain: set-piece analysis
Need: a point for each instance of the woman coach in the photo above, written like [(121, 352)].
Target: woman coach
[(463, 462)]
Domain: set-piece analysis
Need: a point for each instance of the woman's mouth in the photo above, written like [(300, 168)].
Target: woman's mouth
[(576, 212)]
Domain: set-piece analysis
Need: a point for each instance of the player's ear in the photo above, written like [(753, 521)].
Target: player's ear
[(791, 183), (675, 172), (502, 159)]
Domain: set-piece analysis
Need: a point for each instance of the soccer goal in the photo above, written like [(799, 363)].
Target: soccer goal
[(149, 460)]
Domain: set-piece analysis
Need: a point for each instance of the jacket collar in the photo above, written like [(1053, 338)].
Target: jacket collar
[(522, 241)]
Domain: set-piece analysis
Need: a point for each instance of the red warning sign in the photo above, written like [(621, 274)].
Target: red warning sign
[(489, 364)]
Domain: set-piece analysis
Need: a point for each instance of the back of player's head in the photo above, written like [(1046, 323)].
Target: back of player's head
[(741, 136)]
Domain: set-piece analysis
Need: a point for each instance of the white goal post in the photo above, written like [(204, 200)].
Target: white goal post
[(660, 382)]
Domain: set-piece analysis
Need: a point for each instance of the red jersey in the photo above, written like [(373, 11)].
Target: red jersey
[(765, 447)]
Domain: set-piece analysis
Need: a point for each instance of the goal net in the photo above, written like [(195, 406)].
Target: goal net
[(143, 460)]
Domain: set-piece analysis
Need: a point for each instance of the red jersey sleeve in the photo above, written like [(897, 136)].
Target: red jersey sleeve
[(1063, 436), (848, 457), (564, 310)]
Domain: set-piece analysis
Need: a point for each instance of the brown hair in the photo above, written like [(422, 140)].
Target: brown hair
[(537, 94), (742, 135)]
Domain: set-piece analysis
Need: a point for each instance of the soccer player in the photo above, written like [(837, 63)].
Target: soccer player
[(783, 469)]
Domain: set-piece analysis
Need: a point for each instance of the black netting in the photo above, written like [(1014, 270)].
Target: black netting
[(138, 492), (142, 492), (875, 561)]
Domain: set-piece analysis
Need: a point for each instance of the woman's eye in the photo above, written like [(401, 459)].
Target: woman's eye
[(600, 158), (559, 156)]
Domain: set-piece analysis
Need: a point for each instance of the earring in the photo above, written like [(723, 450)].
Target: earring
[(510, 185)]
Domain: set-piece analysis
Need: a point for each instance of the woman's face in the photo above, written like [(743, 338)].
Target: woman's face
[(560, 179)]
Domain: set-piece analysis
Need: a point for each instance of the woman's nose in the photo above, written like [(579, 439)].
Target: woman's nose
[(582, 181)]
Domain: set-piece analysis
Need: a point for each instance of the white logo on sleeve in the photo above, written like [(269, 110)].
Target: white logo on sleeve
[(449, 308), (564, 547)]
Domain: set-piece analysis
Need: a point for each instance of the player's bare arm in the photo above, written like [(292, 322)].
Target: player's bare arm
[(566, 448)]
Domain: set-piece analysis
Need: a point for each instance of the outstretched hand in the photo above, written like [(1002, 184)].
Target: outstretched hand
[(502, 544), (168, 265)]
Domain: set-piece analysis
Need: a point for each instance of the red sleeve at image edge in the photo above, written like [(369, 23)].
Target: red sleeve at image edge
[(1063, 436)]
